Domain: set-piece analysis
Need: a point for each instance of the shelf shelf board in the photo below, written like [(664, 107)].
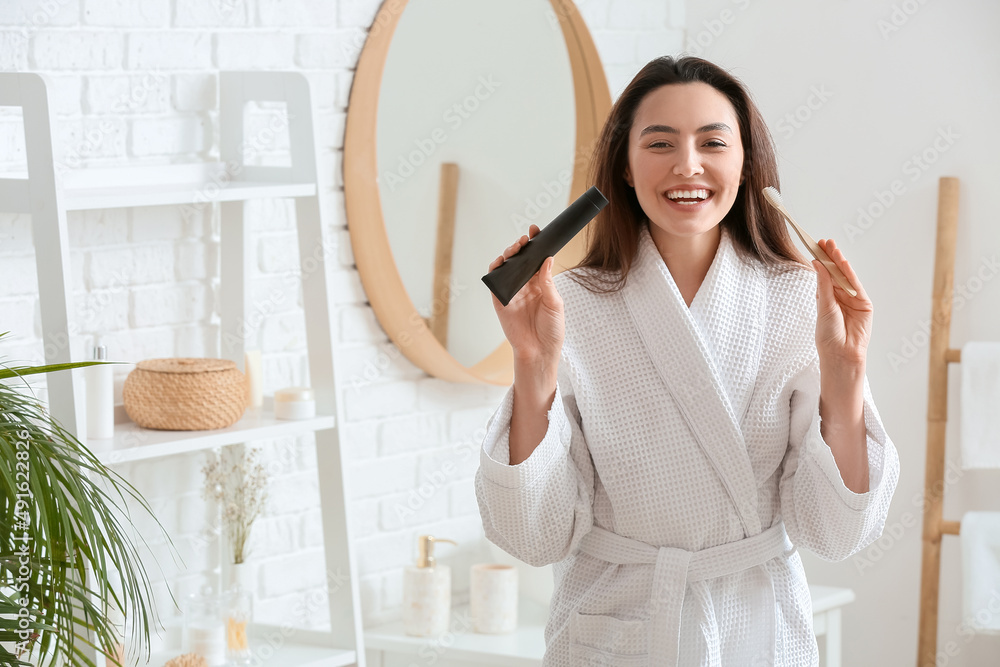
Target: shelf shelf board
[(284, 655), (134, 443), (81, 200), (522, 648), (176, 184)]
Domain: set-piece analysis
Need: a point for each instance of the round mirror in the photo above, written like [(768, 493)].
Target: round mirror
[(468, 121)]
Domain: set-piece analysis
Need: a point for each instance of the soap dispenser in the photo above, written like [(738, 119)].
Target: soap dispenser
[(427, 592)]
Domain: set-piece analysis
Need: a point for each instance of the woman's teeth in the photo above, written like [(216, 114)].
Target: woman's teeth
[(687, 197)]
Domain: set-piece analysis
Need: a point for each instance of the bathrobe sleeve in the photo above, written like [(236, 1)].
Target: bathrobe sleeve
[(538, 510), (819, 511)]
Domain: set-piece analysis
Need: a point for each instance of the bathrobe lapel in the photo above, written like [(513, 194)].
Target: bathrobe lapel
[(710, 374)]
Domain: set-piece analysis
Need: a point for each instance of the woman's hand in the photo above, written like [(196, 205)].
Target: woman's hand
[(843, 329), (533, 320), (843, 322)]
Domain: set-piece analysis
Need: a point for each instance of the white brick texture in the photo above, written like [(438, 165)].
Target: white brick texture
[(136, 82), (33, 14), (171, 50), (254, 50), (77, 50), (212, 13), (127, 13)]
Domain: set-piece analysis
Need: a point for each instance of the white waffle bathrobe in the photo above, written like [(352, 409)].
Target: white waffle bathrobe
[(675, 434)]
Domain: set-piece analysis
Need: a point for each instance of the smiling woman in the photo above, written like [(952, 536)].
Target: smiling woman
[(686, 177), (689, 404)]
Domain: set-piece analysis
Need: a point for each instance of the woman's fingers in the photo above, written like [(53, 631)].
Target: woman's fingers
[(514, 247), (837, 256)]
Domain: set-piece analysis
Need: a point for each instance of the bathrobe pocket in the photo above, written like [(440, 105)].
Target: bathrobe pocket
[(606, 641)]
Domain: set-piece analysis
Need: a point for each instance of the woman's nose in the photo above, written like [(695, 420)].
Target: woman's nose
[(688, 162)]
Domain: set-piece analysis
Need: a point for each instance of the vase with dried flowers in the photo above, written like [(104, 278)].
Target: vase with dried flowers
[(237, 480)]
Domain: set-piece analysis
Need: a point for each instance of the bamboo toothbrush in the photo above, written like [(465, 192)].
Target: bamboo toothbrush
[(773, 198)]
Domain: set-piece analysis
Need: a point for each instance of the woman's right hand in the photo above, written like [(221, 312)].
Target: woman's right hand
[(533, 320)]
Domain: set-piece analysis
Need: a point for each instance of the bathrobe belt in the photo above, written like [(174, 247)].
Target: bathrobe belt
[(676, 568)]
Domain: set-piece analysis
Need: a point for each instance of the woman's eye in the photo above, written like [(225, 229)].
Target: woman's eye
[(715, 143), (659, 144)]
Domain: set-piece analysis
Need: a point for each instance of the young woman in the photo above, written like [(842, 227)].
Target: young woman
[(689, 404)]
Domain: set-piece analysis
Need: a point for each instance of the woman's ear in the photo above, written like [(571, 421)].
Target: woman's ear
[(628, 178)]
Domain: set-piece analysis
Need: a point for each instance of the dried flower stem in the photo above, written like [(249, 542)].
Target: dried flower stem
[(238, 482)]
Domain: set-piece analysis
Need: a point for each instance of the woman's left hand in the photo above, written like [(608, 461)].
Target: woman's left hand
[(843, 322)]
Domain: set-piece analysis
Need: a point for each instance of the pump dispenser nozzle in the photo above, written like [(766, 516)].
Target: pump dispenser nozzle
[(426, 546)]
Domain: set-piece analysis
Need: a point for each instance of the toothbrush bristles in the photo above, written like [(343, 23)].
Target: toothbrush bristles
[(773, 196)]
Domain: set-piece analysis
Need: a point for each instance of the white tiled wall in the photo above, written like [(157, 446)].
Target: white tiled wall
[(135, 81)]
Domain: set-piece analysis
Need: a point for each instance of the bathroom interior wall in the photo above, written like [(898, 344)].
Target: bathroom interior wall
[(869, 104), (136, 83)]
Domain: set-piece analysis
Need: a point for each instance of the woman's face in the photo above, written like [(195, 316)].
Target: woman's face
[(685, 158)]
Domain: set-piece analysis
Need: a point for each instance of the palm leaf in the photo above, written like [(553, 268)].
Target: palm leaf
[(80, 533), (18, 371)]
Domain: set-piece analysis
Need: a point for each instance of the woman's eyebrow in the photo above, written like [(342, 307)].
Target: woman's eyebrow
[(711, 127)]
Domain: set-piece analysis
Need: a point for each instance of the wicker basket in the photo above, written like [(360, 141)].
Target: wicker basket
[(185, 394), (187, 660)]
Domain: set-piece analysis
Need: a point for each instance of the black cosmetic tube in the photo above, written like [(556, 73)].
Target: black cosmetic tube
[(507, 279)]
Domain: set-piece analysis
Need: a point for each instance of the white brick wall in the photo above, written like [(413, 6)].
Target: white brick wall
[(136, 81)]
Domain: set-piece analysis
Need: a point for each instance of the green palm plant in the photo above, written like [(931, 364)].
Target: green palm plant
[(64, 531)]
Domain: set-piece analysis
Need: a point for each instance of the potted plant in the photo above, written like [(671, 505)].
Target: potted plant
[(64, 534)]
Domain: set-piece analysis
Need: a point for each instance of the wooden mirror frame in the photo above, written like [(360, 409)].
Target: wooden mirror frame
[(370, 241)]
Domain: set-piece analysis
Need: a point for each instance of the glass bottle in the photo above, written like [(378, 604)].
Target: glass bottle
[(238, 607), (204, 632)]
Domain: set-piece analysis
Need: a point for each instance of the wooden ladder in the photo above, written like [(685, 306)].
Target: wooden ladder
[(937, 417)]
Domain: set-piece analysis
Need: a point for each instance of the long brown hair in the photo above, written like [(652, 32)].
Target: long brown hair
[(757, 230)]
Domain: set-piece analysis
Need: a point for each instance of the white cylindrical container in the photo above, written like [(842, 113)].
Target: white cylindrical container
[(100, 400), (294, 403), (426, 600), (493, 598), (255, 379)]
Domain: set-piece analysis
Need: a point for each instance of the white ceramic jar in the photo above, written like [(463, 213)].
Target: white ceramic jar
[(493, 598), (294, 403)]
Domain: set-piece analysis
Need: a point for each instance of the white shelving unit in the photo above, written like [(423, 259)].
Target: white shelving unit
[(230, 183)]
